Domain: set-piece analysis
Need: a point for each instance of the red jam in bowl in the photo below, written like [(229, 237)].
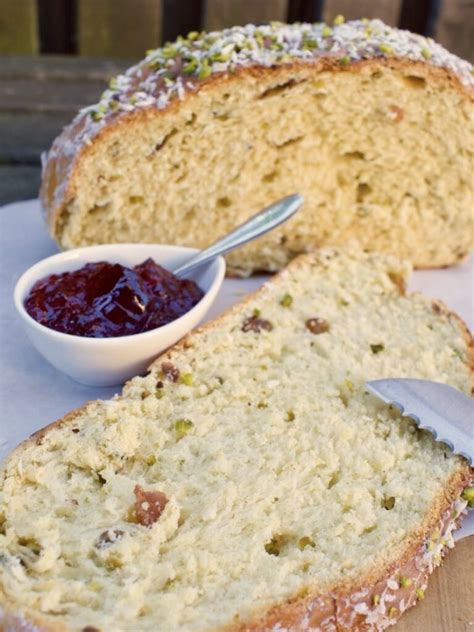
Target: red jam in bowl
[(103, 300)]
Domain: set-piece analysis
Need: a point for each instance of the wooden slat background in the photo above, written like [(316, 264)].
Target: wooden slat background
[(224, 13), (455, 29), (38, 97), (126, 28), (104, 27), (18, 27), (386, 10)]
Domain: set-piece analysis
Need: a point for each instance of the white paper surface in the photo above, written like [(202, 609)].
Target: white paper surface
[(33, 393)]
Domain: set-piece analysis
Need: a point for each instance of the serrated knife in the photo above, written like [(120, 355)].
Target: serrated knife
[(439, 408)]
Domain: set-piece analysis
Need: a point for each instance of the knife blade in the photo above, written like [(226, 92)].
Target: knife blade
[(439, 408)]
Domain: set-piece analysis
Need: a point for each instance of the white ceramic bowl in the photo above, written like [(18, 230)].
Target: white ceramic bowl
[(110, 361)]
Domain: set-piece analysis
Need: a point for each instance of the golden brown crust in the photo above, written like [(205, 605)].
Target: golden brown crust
[(37, 436), (63, 164), (28, 621), (331, 609)]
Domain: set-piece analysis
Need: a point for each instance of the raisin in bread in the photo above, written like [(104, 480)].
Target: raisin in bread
[(373, 125), (249, 481)]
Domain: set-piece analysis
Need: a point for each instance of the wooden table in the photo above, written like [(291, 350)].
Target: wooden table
[(38, 96)]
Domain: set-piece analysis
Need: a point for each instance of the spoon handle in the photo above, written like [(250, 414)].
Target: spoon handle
[(261, 223)]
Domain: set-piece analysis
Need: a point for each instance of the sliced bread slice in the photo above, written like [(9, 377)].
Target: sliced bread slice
[(249, 481)]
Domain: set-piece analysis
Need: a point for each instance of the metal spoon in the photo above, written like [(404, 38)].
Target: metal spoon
[(261, 223)]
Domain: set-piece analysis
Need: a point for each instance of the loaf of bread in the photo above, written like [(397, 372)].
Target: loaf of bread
[(373, 125), (249, 482)]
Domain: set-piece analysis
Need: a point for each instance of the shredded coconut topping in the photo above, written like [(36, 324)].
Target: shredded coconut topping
[(170, 71), (381, 608)]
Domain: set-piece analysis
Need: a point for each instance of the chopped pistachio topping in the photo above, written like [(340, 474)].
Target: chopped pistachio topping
[(305, 541), (190, 67), (388, 502), (309, 44), (183, 427), (405, 582), (186, 378), (377, 348), (392, 613), (386, 49), (290, 415), (376, 600), (256, 312), (287, 300), (275, 545), (435, 535), (420, 593), (468, 494), (205, 70), (167, 73), (113, 562)]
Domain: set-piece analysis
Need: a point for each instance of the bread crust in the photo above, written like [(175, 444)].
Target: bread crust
[(341, 607), (334, 610), (63, 164)]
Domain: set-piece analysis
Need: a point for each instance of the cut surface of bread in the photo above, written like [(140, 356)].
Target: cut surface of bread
[(249, 481), (372, 125)]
